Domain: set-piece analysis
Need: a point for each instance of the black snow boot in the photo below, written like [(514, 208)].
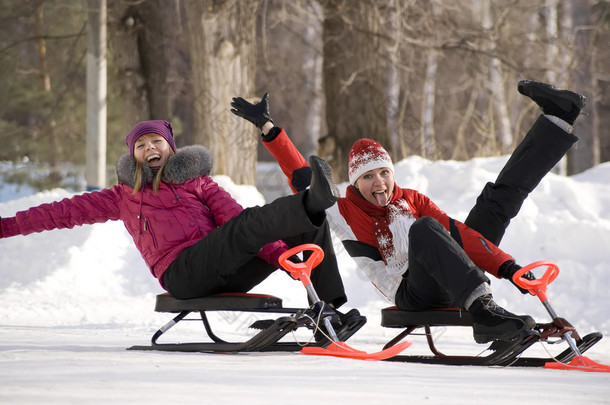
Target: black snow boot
[(345, 326), (323, 192), (492, 322), (564, 104)]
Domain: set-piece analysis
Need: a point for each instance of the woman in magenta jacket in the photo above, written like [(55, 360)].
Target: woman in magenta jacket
[(412, 251), (195, 238)]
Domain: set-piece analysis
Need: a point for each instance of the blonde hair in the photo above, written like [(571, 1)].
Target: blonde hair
[(156, 180)]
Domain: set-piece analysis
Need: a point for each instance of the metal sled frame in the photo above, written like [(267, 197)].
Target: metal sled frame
[(503, 353), (265, 340)]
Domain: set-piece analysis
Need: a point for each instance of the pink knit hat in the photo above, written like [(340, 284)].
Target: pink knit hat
[(158, 127), (366, 155)]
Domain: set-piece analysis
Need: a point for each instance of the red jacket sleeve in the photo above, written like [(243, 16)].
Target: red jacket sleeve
[(483, 253), (292, 163)]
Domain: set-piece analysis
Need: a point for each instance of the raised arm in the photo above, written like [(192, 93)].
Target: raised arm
[(292, 163)]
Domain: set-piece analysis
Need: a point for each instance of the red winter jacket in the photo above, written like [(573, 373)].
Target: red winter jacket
[(349, 223), (187, 207)]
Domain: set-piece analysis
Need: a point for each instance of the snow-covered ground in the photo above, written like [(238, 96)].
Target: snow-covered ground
[(72, 301)]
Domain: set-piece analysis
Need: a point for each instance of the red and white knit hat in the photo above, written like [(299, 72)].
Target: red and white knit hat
[(366, 155)]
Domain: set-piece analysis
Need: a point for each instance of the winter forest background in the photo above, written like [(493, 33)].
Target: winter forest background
[(435, 78)]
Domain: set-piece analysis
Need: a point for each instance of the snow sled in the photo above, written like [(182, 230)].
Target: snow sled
[(499, 353), (270, 330), (319, 317)]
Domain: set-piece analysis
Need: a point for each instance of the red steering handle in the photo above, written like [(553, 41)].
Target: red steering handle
[(538, 286), (302, 271)]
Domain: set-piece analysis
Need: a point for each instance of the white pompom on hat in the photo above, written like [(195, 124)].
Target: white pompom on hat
[(366, 155)]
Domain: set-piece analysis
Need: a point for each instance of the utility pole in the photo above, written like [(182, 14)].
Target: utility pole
[(95, 172)]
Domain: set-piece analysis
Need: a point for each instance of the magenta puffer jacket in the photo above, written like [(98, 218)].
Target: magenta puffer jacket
[(187, 207)]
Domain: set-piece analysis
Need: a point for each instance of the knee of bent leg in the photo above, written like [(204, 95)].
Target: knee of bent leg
[(423, 226)]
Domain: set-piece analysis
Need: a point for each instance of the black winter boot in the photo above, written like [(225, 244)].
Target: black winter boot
[(345, 326), (564, 104), (323, 192), (492, 322)]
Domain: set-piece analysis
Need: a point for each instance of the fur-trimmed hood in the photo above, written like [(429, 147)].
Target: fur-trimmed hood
[(188, 163)]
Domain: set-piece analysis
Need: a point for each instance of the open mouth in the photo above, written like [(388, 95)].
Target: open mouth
[(153, 159), (381, 197)]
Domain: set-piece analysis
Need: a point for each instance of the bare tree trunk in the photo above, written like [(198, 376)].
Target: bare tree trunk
[(125, 23), (602, 114), (95, 173), (552, 32), (356, 98), (583, 157), (151, 58), (223, 49), (496, 81), (45, 78), (428, 142), (600, 100), (290, 69), (460, 151), (45, 86), (553, 61), (565, 40), (599, 75), (390, 28)]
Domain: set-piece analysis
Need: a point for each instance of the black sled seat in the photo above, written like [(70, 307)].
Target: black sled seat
[(502, 353), (220, 302), (393, 317), (267, 339)]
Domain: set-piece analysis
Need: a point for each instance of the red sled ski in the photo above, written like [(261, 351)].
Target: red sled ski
[(500, 353)]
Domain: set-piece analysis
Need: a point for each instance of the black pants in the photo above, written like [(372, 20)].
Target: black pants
[(225, 260), (541, 149), (440, 273)]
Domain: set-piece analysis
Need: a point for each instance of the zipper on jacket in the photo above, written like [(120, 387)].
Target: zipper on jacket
[(152, 234)]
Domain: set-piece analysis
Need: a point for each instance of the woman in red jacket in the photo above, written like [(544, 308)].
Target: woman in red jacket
[(195, 238), (415, 254)]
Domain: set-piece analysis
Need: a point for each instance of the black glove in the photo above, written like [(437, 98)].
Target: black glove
[(509, 268), (258, 114)]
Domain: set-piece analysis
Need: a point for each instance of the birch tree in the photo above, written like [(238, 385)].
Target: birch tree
[(496, 81), (428, 141), (45, 87), (583, 157), (290, 69)]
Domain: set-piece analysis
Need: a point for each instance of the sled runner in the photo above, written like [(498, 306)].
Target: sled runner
[(271, 330), (502, 353)]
